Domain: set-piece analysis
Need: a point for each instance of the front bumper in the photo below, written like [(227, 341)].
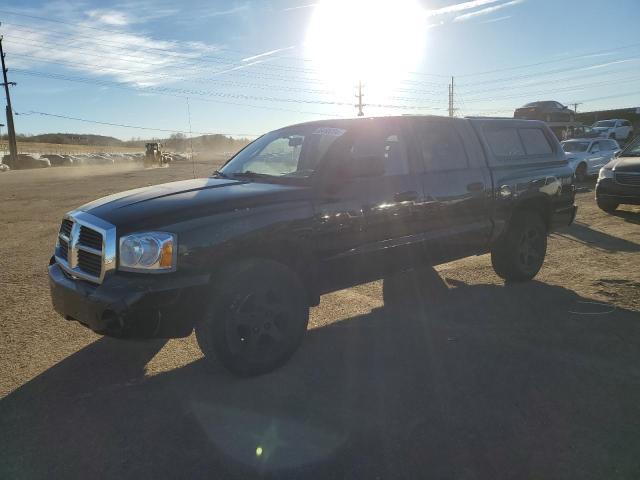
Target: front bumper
[(130, 306), (563, 217), (609, 189)]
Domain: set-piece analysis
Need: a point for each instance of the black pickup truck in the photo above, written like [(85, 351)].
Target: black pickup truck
[(305, 210)]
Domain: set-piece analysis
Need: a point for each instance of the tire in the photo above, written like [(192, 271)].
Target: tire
[(608, 206), (256, 318), (519, 253), (581, 173)]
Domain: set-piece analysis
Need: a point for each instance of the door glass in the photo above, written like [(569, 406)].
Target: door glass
[(535, 142), (388, 148), (504, 142), (441, 147)]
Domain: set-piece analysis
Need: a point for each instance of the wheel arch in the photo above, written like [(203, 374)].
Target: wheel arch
[(540, 204)]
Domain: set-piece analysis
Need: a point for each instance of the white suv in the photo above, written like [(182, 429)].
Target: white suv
[(616, 129)]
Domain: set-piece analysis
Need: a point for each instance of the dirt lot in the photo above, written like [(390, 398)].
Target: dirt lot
[(467, 378)]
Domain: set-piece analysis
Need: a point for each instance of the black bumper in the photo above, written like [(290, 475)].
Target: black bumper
[(563, 217), (131, 306), (608, 189)]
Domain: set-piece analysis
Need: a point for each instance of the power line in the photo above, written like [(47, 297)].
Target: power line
[(189, 92), (136, 127), (497, 70)]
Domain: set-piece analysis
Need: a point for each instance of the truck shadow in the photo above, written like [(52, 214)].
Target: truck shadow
[(628, 216), (472, 382), (597, 239)]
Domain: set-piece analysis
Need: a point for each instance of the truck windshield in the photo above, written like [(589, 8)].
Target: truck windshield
[(632, 150), (289, 152)]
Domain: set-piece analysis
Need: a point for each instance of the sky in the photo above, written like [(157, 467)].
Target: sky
[(246, 67)]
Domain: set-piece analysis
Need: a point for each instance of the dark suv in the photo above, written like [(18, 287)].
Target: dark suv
[(305, 210), (547, 111)]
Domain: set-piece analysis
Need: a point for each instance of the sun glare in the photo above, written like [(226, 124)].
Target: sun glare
[(373, 41)]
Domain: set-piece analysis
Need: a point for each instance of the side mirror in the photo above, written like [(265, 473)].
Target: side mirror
[(295, 141)]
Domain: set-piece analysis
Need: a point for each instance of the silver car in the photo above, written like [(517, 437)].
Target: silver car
[(587, 156)]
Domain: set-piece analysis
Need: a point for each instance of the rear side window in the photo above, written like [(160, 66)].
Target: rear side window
[(441, 147), (504, 142), (535, 142)]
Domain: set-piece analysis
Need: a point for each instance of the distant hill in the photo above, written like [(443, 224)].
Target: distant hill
[(71, 139), (176, 142)]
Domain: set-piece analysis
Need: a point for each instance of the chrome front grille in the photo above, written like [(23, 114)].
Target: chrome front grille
[(86, 246), (631, 178)]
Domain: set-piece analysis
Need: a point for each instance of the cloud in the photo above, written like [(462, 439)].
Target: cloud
[(485, 11), (266, 54), (459, 7), (299, 7), (109, 17), (230, 11), (498, 19), (602, 65), (119, 52)]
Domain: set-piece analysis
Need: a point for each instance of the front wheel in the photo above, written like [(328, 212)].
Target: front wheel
[(519, 254), (608, 206), (581, 173), (256, 318)]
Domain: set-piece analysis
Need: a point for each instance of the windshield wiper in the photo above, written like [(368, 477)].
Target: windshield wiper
[(250, 174), (218, 173)]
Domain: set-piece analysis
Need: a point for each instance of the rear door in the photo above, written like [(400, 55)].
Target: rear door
[(456, 187)]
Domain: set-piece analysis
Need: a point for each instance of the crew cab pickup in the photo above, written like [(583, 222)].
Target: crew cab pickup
[(304, 210)]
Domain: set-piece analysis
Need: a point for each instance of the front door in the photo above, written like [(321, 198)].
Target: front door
[(370, 223)]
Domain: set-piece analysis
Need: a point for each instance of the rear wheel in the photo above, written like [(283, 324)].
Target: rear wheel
[(256, 318), (608, 206), (519, 254)]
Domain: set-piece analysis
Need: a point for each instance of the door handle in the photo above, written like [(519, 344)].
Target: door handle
[(475, 187), (405, 196)]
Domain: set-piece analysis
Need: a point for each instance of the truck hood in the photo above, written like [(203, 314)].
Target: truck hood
[(625, 164), (168, 203)]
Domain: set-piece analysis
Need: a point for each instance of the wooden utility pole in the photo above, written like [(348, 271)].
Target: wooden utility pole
[(13, 148), (451, 107), (359, 97)]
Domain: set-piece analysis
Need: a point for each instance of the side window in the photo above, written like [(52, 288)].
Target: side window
[(396, 160), (504, 142), (441, 147), (595, 147), (384, 152), (277, 157), (535, 142), (626, 123)]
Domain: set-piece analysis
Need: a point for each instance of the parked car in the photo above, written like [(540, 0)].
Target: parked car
[(619, 180), (583, 132), (586, 157), (25, 161), (57, 160), (548, 111), (305, 210), (616, 129)]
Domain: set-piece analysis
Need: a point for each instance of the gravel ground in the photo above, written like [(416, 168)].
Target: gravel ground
[(464, 377)]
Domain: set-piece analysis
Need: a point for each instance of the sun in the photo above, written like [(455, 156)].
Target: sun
[(374, 41)]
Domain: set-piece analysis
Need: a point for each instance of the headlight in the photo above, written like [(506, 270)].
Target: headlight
[(150, 251), (605, 173)]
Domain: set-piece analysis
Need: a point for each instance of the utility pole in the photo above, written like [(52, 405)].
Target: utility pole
[(451, 108), (359, 97), (575, 106), (13, 148)]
